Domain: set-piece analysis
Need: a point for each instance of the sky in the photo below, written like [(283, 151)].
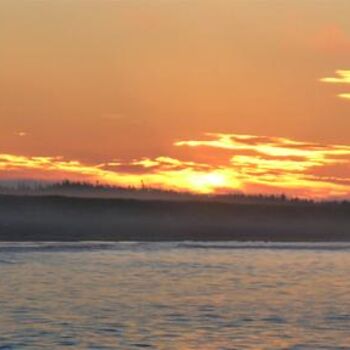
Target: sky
[(196, 95)]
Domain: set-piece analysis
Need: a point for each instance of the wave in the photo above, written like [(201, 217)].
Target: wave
[(24, 247), (267, 245)]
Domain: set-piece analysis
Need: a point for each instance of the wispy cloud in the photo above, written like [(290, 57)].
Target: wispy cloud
[(161, 172), (345, 95), (342, 77), (253, 164), (282, 164)]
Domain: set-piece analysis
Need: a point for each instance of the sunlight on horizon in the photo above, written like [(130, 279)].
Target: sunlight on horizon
[(251, 164)]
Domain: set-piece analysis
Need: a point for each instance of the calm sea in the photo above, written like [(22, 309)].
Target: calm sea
[(181, 296)]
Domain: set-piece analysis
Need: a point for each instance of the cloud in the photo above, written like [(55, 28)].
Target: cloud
[(269, 146), (280, 163), (345, 95), (253, 164), (170, 174), (342, 77)]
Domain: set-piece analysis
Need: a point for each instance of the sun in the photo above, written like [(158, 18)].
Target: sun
[(207, 182)]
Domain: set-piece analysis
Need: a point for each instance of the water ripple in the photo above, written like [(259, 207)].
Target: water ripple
[(174, 296)]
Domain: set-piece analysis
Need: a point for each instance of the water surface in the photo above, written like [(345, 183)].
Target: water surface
[(174, 296)]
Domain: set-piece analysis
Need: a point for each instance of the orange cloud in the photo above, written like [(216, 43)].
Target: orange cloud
[(281, 164), (342, 77), (253, 164), (345, 95), (162, 172)]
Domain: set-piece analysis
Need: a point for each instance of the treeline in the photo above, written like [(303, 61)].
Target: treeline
[(88, 189), (99, 190)]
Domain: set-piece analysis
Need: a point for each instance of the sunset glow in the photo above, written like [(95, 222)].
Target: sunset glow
[(178, 94), (253, 164), (174, 174)]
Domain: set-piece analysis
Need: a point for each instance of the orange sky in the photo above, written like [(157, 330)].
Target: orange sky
[(117, 86)]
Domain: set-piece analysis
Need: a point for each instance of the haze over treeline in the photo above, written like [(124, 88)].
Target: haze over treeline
[(98, 190), (84, 212)]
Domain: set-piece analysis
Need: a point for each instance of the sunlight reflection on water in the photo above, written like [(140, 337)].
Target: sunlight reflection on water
[(174, 296)]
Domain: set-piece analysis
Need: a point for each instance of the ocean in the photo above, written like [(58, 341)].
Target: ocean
[(181, 296)]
